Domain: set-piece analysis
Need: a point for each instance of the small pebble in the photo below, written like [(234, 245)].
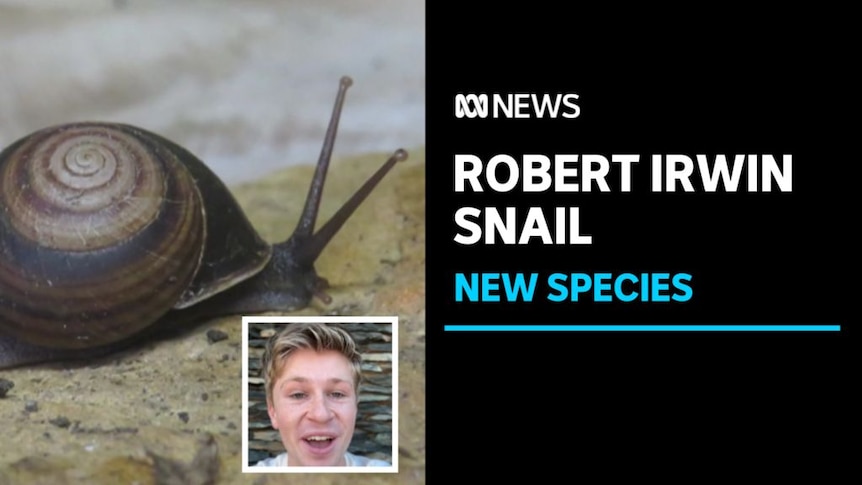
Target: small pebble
[(61, 422), (184, 416), (5, 386), (205, 396), (214, 335), (31, 406)]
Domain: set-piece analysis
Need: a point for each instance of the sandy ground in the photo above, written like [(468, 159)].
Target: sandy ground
[(169, 411), (247, 86)]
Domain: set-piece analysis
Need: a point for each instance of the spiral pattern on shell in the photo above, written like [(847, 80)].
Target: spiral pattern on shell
[(79, 188), (101, 229)]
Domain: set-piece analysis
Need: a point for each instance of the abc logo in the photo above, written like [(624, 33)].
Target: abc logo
[(471, 105), (517, 105)]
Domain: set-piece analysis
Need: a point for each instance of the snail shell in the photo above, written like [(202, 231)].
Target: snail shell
[(109, 232), (104, 228)]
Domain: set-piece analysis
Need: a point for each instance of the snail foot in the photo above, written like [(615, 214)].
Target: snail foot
[(318, 290)]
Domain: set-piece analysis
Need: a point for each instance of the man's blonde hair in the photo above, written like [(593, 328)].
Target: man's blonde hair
[(315, 336)]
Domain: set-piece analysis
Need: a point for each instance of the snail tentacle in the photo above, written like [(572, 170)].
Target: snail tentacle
[(305, 227)]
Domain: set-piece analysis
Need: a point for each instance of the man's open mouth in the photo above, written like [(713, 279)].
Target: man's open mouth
[(319, 442)]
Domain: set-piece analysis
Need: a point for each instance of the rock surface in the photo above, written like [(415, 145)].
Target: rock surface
[(170, 411)]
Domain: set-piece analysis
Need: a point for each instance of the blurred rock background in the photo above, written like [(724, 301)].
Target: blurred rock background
[(247, 85)]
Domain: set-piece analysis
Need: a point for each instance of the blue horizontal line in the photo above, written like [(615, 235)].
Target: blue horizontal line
[(642, 328)]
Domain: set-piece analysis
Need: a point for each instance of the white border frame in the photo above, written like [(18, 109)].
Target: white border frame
[(392, 320)]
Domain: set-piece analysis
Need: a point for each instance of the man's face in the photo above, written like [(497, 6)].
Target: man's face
[(314, 407)]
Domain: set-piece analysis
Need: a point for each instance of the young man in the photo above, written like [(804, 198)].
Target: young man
[(312, 376)]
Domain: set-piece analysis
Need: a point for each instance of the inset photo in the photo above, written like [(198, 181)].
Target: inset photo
[(320, 394)]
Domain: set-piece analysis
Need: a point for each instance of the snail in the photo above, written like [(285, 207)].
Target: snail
[(110, 233)]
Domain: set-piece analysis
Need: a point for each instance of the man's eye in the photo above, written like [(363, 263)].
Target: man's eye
[(296, 395), (338, 395)]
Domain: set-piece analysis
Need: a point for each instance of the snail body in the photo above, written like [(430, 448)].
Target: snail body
[(109, 232)]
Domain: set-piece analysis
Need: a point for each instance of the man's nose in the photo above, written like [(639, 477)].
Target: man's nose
[(319, 409)]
